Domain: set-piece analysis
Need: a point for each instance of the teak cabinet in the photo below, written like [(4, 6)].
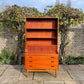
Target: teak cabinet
[(41, 44)]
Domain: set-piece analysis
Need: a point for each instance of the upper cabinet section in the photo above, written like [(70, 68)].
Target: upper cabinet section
[(41, 23)]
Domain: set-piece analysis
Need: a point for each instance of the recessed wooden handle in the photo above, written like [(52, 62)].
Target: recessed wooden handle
[(41, 49), (52, 61), (30, 61), (30, 66), (52, 66), (52, 57), (30, 57)]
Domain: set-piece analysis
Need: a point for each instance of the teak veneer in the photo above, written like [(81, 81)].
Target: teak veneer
[(41, 44)]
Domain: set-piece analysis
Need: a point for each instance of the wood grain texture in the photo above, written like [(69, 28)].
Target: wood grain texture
[(45, 49), (44, 24), (41, 44), (41, 34)]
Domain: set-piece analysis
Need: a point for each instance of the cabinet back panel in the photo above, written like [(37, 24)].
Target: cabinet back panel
[(41, 42), (41, 49), (41, 34), (41, 24)]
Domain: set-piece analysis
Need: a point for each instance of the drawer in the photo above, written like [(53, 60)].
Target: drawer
[(41, 58), (41, 62), (41, 66)]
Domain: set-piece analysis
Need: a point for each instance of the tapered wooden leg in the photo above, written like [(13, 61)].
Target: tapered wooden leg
[(27, 72), (55, 73)]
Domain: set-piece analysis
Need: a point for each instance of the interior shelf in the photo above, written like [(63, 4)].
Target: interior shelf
[(41, 34), (41, 38), (28, 29), (42, 45)]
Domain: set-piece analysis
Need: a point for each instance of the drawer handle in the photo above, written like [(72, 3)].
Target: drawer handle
[(52, 61), (52, 57), (41, 49), (30, 61), (30, 57), (52, 66), (30, 66)]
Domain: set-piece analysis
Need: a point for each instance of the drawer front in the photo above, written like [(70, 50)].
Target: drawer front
[(41, 48), (42, 66), (41, 62)]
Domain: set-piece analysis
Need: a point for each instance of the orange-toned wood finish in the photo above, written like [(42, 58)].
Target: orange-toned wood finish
[(41, 44)]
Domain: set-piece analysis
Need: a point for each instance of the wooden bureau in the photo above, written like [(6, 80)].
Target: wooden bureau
[(41, 44)]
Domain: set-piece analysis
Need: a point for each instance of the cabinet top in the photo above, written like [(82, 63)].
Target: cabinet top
[(41, 17)]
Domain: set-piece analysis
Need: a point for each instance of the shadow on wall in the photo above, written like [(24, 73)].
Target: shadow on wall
[(76, 37)]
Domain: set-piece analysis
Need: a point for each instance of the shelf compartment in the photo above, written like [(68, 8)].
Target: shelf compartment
[(41, 34), (41, 42), (48, 24)]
